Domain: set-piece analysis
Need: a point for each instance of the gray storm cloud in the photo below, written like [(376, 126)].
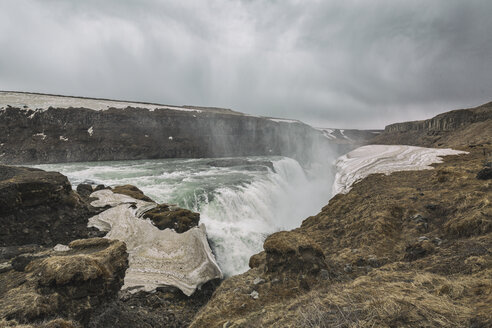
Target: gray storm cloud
[(360, 64)]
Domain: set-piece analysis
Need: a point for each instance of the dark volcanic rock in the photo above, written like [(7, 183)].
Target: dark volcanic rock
[(85, 190), (79, 134), (485, 174), (171, 217), (70, 285), (167, 307), (39, 207)]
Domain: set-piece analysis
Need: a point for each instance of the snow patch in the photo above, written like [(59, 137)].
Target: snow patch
[(39, 103), (62, 138), (283, 120), (42, 135), (343, 135), (386, 159), (156, 257), (328, 133), (90, 131), (170, 138), (61, 248)]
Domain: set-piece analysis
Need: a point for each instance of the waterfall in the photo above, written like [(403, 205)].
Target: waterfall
[(240, 207)]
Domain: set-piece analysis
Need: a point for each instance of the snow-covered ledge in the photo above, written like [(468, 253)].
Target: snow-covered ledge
[(156, 257), (366, 160)]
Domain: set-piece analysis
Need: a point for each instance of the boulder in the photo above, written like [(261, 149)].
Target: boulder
[(167, 217), (84, 190)]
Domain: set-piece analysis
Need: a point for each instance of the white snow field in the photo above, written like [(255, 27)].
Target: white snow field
[(156, 257), (366, 160), (42, 102)]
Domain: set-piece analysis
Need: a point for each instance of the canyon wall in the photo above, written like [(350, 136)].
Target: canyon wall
[(458, 128), (448, 121), (32, 135)]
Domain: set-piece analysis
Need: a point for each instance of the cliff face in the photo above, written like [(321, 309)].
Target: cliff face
[(458, 128), (30, 135), (448, 121)]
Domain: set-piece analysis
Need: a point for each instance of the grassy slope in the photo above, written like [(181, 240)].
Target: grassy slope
[(380, 270)]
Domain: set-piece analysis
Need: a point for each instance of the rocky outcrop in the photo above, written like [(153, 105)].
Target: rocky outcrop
[(293, 252), (39, 207), (131, 191), (166, 216), (69, 284), (79, 285)]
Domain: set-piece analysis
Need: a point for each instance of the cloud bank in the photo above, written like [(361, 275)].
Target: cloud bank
[(360, 64)]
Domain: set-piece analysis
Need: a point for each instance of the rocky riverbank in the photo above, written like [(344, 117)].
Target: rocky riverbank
[(81, 284)]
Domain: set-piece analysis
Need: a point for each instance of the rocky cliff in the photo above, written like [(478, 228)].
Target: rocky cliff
[(448, 121), (457, 128), (35, 130)]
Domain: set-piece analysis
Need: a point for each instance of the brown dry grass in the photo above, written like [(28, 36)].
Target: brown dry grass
[(412, 249)]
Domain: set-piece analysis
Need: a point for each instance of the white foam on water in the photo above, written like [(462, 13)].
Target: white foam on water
[(239, 207)]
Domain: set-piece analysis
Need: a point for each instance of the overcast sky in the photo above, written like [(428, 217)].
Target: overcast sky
[(360, 64)]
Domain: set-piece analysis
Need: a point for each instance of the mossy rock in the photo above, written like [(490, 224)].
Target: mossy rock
[(165, 217)]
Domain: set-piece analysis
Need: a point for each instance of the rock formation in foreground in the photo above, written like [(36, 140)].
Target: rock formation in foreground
[(80, 284), (69, 284), (408, 249), (39, 207)]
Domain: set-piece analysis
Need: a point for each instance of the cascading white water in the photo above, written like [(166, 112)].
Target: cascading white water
[(239, 220), (239, 206)]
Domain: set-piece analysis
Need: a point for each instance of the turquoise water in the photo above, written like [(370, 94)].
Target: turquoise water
[(239, 205)]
